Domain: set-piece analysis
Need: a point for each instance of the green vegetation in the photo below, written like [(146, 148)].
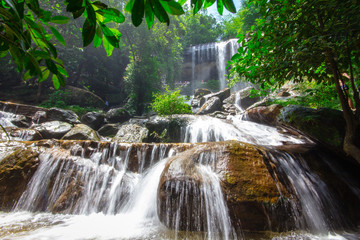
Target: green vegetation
[(59, 99), (306, 41), (170, 102)]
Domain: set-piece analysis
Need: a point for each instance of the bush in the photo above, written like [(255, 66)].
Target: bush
[(59, 98), (170, 102)]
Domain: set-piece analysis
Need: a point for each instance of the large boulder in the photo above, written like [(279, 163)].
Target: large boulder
[(200, 92), (166, 129), (83, 98), (222, 95), (109, 130), (213, 104), (53, 129), (325, 125), (93, 119), (117, 115), (242, 98), (58, 114), (81, 132), (264, 114), (250, 189), (131, 133), (16, 170)]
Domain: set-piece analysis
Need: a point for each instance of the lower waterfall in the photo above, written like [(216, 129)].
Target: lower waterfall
[(89, 190)]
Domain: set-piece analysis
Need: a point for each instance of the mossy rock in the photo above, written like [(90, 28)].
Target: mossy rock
[(16, 171), (325, 125)]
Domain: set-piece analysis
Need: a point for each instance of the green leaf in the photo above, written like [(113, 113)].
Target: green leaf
[(229, 5), (100, 5), (90, 12), (98, 37), (109, 35), (220, 7), (172, 7), (88, 32), (112, 14), (56, 82), (198, 6), (129, 6), (58, 36), (51, 66), (109, 48), (59, 20), (3, 54), (181, 2), (62, 70), (137, 12), (45, 76), (208, 3), (149, 15), (41, 54), (74, 5), (159, 11)]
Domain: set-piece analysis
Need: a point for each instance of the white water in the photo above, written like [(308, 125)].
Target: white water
[(220, 53), (209, 129)]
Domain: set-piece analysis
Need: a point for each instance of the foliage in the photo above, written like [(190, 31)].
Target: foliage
[(241, 22), (170, 102), (58, 99), (26, 29), (302, 40)]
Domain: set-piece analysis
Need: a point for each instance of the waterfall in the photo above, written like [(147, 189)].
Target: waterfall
[(206, 58)]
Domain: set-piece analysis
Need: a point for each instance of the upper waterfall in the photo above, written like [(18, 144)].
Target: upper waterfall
[(208, 62)]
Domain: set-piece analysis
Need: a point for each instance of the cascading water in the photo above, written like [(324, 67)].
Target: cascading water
[(207, 57)]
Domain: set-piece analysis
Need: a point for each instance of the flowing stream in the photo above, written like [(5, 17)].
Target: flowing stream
[(115, 203)]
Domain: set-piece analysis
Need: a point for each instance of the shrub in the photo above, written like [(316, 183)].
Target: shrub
[(170, 102)]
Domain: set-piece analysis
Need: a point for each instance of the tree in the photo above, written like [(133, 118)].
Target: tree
[(304, 40), (26, 29)]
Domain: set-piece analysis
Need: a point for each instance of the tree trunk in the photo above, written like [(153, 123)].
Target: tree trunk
[(352, 132)]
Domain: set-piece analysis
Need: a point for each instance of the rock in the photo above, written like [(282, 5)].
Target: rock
[(131, 133), (20, 134), (250, 190), (200, 92), (16, 170), (222, 95), (39, 117), (81, 132), (117, 115), (109, 130), (325, 125), (93, 119), (21, 121), (166, 129), (53, 129), (265, 115), (210, 106), (57, 114), (243, 99), (83, 98), (21, 109)]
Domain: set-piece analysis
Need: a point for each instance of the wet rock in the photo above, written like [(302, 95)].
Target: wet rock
[(250, 187), (109, 130), (21, 121), (93, 119), (264, 114), (210, 106), (20, 134), (117, 115), (325, 125), (16, 171), (21, 109), (222, 95), (57, 114), (200, 92), (81, 132), (39, 117), (166, 129), (53, 129), (244, 99), (131, 133)]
